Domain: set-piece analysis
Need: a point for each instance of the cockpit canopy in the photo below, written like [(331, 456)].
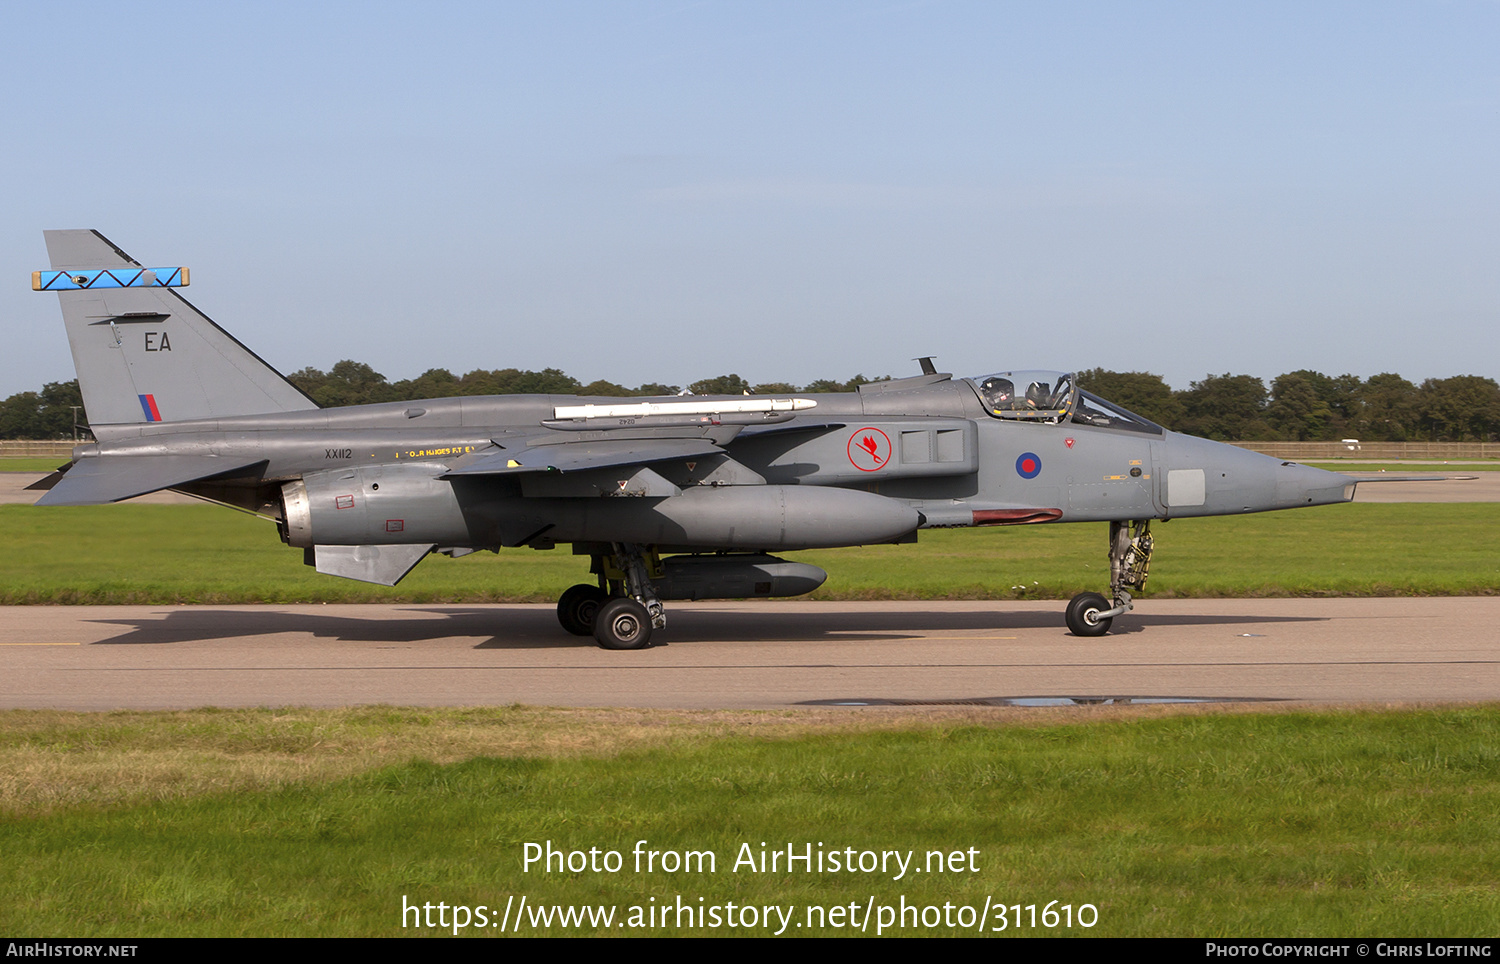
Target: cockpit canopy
[(1042, 396), (1033, 395)]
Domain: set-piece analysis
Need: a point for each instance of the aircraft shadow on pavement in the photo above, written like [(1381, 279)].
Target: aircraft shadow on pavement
[(916, 623), (518, 628)]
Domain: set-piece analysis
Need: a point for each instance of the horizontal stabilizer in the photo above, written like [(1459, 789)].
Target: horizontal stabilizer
[(580, 456), (99, 481)]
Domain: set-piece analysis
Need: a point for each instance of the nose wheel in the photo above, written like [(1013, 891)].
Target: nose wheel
[(1084, 617), (1130, 543)]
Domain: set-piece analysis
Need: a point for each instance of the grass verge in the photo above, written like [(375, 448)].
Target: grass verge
[(32, 465), (1340, 823), (164, 554)]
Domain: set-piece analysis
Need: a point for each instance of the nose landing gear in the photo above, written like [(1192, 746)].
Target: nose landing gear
[(1130, 543)]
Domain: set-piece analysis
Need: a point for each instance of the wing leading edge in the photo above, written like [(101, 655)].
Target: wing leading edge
[(581, 456)]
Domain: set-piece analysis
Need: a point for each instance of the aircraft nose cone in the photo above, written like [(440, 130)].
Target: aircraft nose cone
[(1304, 485), (1211, 478)]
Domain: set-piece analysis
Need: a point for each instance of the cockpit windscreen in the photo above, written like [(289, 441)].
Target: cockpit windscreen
[(1031, 395), (1093, 410)]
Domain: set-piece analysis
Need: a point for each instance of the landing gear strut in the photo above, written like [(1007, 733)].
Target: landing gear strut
[(1090, 614), (622, 610)]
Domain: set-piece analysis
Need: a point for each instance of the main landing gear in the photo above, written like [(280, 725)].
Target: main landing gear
[(622, 610), (1090, 614)]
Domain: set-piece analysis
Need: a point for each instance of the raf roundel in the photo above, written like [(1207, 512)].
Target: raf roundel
[(1029, 465)]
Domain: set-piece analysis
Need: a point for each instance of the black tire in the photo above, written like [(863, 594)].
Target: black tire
[(578, 608), (1083, 614), (623, 624)]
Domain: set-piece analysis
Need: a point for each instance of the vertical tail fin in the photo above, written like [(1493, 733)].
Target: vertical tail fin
[(144, 354)]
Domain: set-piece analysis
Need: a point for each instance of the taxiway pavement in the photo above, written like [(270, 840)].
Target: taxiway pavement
[(747, 654), (1454, 486), (759, 654)]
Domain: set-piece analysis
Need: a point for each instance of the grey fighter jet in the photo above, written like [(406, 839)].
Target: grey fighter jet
[(669, 498)]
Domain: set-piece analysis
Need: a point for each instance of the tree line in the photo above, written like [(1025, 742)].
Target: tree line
[(355, 383), (1308, 406), (1298, 406)]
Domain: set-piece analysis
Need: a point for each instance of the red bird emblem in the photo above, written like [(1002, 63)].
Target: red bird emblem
[(869, 445)]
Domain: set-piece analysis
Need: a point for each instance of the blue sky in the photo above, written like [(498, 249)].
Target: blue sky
[(789, 191)]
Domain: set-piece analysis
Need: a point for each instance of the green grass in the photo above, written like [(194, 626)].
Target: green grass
[(32, 465), (1359, 549), (162, 554), (1335, 823)]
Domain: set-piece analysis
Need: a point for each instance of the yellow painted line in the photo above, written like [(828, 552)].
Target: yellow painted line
[(41, 644)]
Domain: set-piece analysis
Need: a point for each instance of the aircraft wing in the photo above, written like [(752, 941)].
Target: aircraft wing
[(97, 481), (581, 455)]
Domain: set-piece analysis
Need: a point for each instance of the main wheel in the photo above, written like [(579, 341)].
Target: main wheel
[(1083, 615), (623, 624), (578, 607)]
